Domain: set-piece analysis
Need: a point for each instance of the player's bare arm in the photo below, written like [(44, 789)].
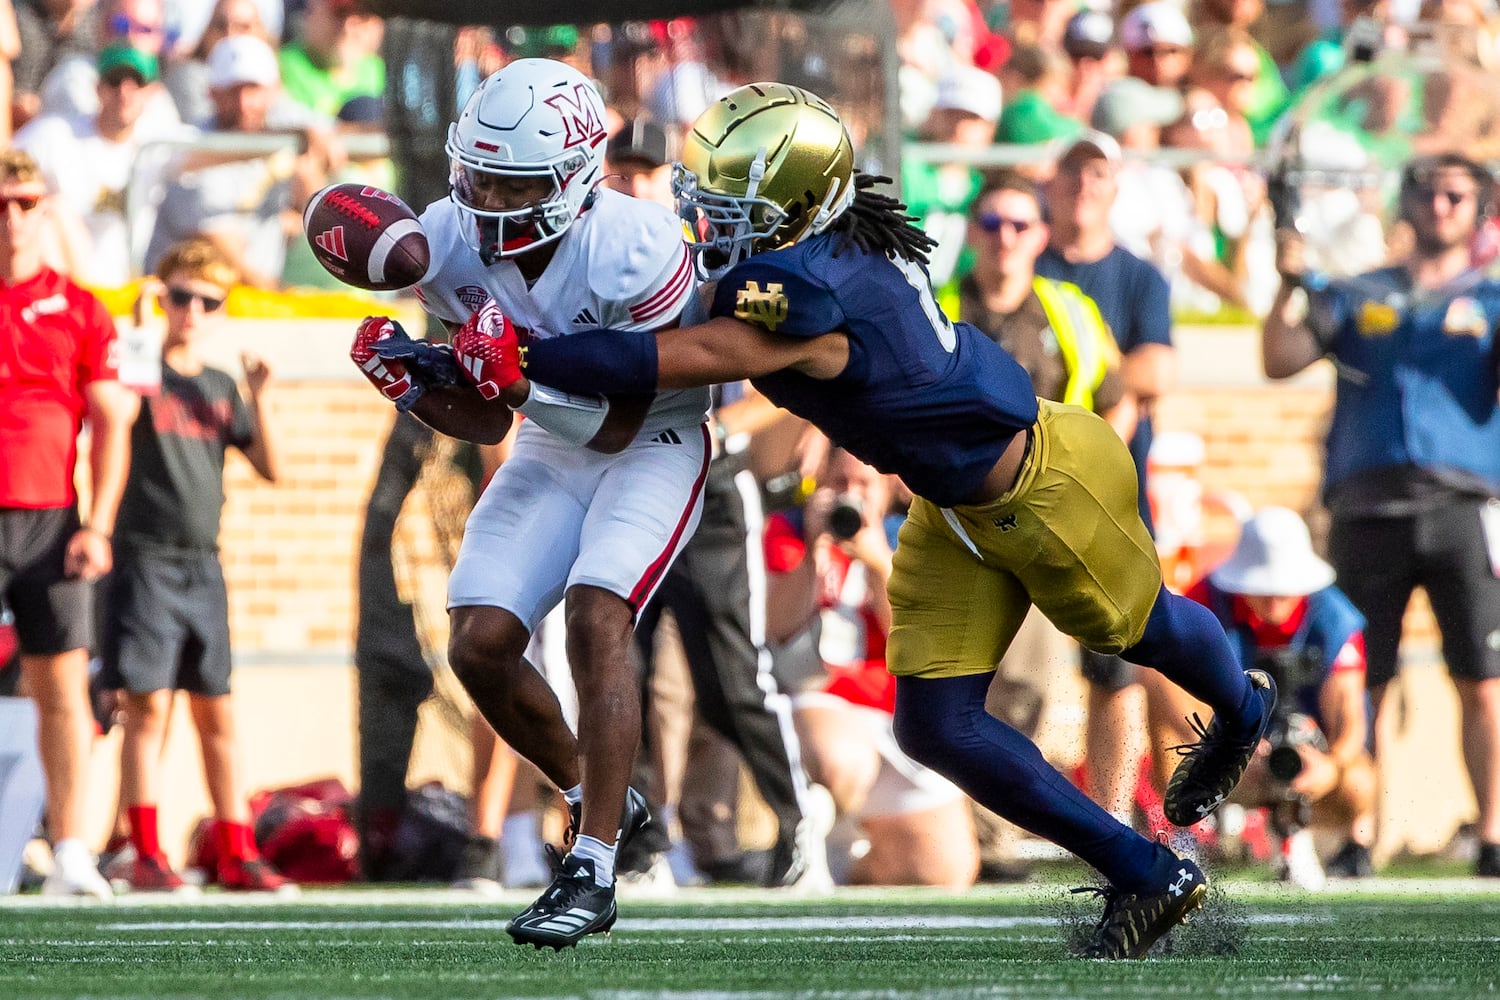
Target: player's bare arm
[(726, 349), (460, 412)]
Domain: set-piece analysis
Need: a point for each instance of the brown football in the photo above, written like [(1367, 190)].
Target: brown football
[(366, 237)]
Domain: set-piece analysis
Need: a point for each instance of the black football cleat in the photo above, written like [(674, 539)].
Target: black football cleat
[(1216, 762), (573, 906), (634, 819), (1132, 923), (1352, 861)]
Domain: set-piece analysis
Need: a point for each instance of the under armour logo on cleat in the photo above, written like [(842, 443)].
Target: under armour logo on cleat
[(1183, 878), (1210, 806)]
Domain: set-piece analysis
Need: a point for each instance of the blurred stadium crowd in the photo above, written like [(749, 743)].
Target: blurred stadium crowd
[(1185, 135)]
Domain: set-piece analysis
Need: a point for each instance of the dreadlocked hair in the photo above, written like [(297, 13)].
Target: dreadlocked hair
[(878, 223)]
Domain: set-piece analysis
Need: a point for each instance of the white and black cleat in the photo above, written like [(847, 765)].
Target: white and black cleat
[(572, 907)]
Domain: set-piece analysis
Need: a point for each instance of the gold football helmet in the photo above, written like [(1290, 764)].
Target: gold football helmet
[(766, 166)]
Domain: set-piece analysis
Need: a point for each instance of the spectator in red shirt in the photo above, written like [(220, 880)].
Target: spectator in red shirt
[(57, 366), (827, 565)]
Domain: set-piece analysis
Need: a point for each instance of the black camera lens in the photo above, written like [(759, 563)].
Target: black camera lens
[(845, 518), (1285, 763)]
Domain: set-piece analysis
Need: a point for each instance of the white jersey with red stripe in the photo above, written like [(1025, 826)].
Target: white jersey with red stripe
[(557, 516), (623, 264)]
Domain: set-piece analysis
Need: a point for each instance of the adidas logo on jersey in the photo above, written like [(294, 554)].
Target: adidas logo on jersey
[(668, 436), (585, 318)]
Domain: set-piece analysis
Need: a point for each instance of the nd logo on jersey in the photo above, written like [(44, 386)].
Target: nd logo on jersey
[(763, 308)]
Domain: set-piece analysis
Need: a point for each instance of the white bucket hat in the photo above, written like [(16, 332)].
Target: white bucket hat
[(1274, 558)]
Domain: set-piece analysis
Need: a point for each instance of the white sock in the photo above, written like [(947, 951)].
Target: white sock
[(574, 795), (601, 854), (70, 853)]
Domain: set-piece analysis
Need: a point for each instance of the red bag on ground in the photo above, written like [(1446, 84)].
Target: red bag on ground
[(304, 831)]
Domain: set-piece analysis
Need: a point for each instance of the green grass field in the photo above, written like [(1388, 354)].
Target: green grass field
[(1387, 938)]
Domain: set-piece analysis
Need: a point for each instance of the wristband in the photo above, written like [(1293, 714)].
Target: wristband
[(575, 419), (95, 531)]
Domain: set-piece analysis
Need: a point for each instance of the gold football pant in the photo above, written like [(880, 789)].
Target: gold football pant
[(1067, 538)]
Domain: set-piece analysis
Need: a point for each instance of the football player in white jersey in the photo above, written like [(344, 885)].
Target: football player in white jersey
[(598, 495)]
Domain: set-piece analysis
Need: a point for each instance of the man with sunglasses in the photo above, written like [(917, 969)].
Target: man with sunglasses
[(70, 87), (1051, 327), (89, 160), (57, 366), (1412, 473), (166, 618)]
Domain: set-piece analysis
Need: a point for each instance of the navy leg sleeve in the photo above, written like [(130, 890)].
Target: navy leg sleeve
[(1186, 644), (941, 722)]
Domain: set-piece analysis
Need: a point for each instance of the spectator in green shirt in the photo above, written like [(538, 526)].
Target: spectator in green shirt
[(334, 60), (1038, 79)]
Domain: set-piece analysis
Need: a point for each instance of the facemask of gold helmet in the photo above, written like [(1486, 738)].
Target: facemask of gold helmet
[(766, 166)]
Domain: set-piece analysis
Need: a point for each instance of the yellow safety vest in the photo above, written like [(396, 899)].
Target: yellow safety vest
[(1087, 346)]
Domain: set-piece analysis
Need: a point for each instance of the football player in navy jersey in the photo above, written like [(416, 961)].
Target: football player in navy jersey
[(823, 301)]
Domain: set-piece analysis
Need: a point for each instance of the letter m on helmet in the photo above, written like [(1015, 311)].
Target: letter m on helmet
[(580, 115)]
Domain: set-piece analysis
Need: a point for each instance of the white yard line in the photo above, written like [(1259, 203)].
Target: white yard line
[(668, 925), (1251, 893)]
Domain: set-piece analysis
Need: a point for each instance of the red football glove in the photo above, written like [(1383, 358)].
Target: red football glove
[(388, 376), (488, 351)]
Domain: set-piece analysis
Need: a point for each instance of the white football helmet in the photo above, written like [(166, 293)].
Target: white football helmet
[(537, 119)]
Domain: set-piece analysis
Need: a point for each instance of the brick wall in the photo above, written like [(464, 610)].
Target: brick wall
[(289, 550)]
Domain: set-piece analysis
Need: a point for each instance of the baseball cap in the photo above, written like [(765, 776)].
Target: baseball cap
[(1089, 35), (1128, 101), (128, 57), (971, 89), (1091, 144), (641, 140), (363, 109), (1157, 22), (1029, 118), (1274, 558), (242, 59)]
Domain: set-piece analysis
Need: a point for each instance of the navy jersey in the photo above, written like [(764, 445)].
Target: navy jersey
[(932, 401)]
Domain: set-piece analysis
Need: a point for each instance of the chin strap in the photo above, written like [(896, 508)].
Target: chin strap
[(839, 197)]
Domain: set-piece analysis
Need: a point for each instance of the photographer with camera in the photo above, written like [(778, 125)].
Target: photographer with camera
[(827, 616), (1412, 476), (1277, 602)]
